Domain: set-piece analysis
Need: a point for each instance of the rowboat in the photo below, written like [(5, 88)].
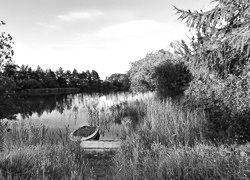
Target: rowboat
[(85, 133)]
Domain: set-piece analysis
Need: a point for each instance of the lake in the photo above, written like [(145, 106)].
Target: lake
[(59, 112)]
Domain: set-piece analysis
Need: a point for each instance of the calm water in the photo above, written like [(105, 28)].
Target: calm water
[(62, 111)]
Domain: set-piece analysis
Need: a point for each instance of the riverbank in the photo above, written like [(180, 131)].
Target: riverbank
[(51, 91)]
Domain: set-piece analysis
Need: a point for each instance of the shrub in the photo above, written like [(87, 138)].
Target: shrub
[(8, 97), (172, 79), (227, 106), (142, 71)]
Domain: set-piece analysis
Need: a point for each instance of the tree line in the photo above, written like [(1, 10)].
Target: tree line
[(24, 77), (14, 80)]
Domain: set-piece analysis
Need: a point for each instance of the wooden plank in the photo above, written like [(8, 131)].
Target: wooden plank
[(100, 145)]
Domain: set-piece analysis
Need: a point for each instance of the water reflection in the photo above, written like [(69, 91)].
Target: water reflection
[(46, 104), (59, 112)]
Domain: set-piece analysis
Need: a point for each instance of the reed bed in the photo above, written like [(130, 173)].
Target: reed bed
[(108, 110), (167, 121), (173, 124), (32, 153), (181, 162)]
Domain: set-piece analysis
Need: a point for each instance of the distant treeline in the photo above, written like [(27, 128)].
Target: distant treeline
[(24, 77)]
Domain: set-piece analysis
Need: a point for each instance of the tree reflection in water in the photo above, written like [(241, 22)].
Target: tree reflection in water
[(48, 103)]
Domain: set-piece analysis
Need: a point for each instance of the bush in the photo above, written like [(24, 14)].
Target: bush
[(141, 72), (227, 106), (172, 79), (8, 97)]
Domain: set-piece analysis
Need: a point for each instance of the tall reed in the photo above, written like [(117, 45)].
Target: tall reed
[(180, 163), (170, 143), (174, 124), (31, 153)]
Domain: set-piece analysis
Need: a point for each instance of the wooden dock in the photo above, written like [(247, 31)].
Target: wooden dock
[(101, 146)]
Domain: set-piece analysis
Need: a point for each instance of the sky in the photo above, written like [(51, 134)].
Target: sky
[(100, 35)]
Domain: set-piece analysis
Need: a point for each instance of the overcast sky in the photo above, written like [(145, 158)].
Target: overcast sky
[(101, 35)]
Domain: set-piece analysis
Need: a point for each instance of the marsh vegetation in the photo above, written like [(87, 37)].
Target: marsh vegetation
[(186, 115), (160, 140)]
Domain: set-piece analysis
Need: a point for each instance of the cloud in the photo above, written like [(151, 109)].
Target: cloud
[(107, 51), (48, 26), (137, 37), (131, 29), (76, 16)]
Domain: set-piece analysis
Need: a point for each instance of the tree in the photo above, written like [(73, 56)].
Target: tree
[(6, 51), (89, 81), (223, 36), (96, 82), (10, 70), (61, 78), (172, 78), (142, 71), (69, 78), (8, 99), (120, 82), (50, 79), (83, 81), (39, 73), (220, 64), (22, 73), (75, 78)]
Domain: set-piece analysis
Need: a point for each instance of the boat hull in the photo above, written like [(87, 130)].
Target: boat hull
[(85, 133)]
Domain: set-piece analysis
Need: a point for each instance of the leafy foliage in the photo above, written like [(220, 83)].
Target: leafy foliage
[(222, 35), (141, 72), (219, 61), (161, 71), (7, 97), (172, 78), (6, 51), (121, 82)]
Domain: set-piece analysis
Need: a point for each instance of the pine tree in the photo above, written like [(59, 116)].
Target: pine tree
[(223, 35), (219, 61)]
